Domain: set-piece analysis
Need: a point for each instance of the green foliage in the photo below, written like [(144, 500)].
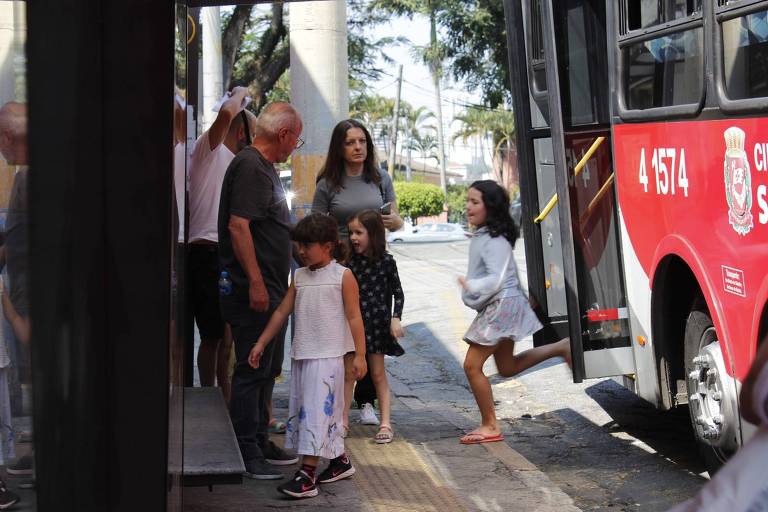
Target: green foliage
[(475, 37), (418, 199), (457, 203), (472, 45)]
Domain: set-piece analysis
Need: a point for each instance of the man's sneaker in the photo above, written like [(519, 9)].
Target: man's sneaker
[(336, 470), (277, 456), (258, 469), (7, 498), (22, 467), (368, 415), (300, 486)]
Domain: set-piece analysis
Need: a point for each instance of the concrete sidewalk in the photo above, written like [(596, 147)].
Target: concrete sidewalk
[(424, 469)]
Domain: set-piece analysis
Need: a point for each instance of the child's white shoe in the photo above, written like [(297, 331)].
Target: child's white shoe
[(368, 415)]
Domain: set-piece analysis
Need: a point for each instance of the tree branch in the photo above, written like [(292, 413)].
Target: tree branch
[(269, 76)]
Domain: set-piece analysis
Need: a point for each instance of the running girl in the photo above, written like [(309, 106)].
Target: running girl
[(376, 273), (503, 315), (325, 299)]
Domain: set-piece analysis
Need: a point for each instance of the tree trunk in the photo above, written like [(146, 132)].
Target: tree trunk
[(232, 38)]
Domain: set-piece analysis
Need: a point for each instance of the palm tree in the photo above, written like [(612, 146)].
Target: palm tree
[(375, 112), (499, 125), (414, 121), (425, 142)]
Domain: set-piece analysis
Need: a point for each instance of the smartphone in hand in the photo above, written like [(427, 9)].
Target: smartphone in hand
[(386, 209)]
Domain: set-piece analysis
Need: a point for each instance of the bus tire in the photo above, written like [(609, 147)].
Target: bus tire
[(712, 398)]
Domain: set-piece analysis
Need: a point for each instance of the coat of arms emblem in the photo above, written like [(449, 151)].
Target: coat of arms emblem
[(738, 181)]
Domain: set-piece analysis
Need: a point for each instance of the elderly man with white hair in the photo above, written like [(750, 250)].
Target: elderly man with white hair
[(255, 252)]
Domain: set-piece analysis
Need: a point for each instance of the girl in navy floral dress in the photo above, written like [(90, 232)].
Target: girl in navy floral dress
[(376, 273)]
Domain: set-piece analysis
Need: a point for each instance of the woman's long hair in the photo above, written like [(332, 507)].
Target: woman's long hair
[(377, 237), (497, 217), (333, 169), (320, 228)]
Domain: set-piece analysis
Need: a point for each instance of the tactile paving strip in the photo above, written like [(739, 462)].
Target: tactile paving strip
[(394, 477)]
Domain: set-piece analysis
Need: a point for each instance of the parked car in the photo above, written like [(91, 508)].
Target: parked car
[(438, 232)]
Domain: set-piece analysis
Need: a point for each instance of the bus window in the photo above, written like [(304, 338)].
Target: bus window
[(745, 56), (664, 71), (582, 51), (647, 13)]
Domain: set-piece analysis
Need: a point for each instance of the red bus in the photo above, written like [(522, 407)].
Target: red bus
[(642, 132)]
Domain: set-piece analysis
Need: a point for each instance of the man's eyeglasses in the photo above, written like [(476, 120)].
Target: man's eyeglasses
[(299, 140)]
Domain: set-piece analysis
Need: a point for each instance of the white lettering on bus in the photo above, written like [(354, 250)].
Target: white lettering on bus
[(669, 171), (763, 204), (760, 153)]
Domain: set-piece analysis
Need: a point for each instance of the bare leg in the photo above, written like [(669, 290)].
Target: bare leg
[(379, 377), (349, 384), (476, 356), (222, 364), (206, 361), (510, 364), (310, 460)]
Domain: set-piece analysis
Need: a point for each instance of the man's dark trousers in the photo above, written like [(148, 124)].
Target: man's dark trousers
[(252, 388)]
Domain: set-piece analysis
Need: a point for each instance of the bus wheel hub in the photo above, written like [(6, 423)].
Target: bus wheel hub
[(712, 398)]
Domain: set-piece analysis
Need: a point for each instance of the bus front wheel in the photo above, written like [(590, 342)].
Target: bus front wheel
[(712, 396)]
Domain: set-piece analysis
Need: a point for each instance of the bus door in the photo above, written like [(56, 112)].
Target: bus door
[(576, 257)]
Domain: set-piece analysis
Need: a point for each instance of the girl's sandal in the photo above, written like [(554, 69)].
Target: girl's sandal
[(384, 435)]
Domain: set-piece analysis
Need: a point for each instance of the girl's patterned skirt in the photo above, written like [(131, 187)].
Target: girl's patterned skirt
[(316, 407), (510, 318)]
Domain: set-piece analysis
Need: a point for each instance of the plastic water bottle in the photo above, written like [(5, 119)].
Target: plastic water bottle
[(225, 285)]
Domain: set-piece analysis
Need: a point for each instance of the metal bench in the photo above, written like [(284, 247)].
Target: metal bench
[(211, 454)]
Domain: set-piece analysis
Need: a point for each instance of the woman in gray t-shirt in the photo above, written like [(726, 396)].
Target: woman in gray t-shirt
[(350, 180)]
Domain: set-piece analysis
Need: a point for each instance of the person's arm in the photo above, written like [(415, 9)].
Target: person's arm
[(747, 398), (351, 296), (19, 324), (251, 194), (393, 221), (278, 319), (321, 202), (245, 252), (229, 109), (399, 297), (496, 257)]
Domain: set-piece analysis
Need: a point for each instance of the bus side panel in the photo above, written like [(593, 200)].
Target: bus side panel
[(646, 382), (678, 187)]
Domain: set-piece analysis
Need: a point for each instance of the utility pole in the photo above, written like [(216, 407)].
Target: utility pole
[(395, 115), (213, 70), (319, 87)]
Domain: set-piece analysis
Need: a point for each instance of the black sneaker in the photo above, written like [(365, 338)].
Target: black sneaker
[(277, 456), (24, 466), (7, 498), (258, 469), (300, 486), (336, 470)]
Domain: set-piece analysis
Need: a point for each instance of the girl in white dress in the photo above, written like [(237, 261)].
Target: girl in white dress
[(328, 325)]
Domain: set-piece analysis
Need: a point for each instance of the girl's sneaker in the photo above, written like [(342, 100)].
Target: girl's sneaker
[(338, 469), (368, 415), (300, 486)]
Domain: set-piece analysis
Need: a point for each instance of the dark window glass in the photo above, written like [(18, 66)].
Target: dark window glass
[(647, 13), (745, 56), (664, 71)]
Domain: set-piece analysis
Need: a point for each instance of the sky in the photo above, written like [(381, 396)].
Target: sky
[(417, 89)]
